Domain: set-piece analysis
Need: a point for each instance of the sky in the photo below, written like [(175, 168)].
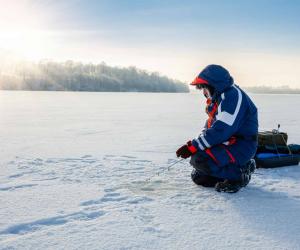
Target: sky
[(257, 41)]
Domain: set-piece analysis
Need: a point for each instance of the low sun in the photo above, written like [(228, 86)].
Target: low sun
[(22, 30), (26, 43)]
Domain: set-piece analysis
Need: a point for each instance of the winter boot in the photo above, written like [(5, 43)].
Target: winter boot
[(247, 172), (228, 186), (252, 166)]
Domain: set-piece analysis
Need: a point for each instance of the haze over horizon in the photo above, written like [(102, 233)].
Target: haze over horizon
[(256, 40)]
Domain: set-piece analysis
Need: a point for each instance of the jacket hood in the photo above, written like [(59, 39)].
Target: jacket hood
[(217, 77)]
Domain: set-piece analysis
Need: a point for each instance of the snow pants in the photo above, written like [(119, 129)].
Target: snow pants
[(224, 162)]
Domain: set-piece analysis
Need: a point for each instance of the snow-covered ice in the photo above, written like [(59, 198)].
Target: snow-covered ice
[(75, 169)]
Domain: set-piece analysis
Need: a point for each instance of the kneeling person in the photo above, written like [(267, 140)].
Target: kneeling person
[(221, 155)]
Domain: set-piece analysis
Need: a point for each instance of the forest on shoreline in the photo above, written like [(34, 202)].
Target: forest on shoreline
[(76, 76), (272, 90)]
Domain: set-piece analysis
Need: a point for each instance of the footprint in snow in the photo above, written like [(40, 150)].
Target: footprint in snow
[(11, 188), (28, 227), (15, 176), (87, 156), (110, 197)]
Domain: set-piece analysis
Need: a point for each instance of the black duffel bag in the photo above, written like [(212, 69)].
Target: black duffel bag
[(272, 138)]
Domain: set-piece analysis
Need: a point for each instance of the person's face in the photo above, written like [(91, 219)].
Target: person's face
[(204, 90), (206, 93)]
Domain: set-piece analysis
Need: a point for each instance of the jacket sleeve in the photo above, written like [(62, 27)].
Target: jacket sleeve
[(228, 120)]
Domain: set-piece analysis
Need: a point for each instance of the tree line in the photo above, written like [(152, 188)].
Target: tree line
[(284, 89), (76, 76)]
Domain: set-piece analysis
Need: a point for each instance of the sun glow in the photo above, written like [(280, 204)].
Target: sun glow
[(21, 30), (30, 44)]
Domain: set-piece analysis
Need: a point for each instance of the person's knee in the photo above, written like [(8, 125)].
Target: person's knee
[(202, 179), (200, 164)]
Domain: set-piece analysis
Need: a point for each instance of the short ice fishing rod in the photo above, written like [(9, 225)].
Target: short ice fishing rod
[(166, 168), (174, 163)]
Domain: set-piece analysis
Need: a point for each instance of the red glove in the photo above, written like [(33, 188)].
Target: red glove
[(186, 150)]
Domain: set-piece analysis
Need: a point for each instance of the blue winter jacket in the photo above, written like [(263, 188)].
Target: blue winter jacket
[(235, 116)]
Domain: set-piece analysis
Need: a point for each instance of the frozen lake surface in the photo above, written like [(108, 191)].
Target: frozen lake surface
[(74, 170)]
